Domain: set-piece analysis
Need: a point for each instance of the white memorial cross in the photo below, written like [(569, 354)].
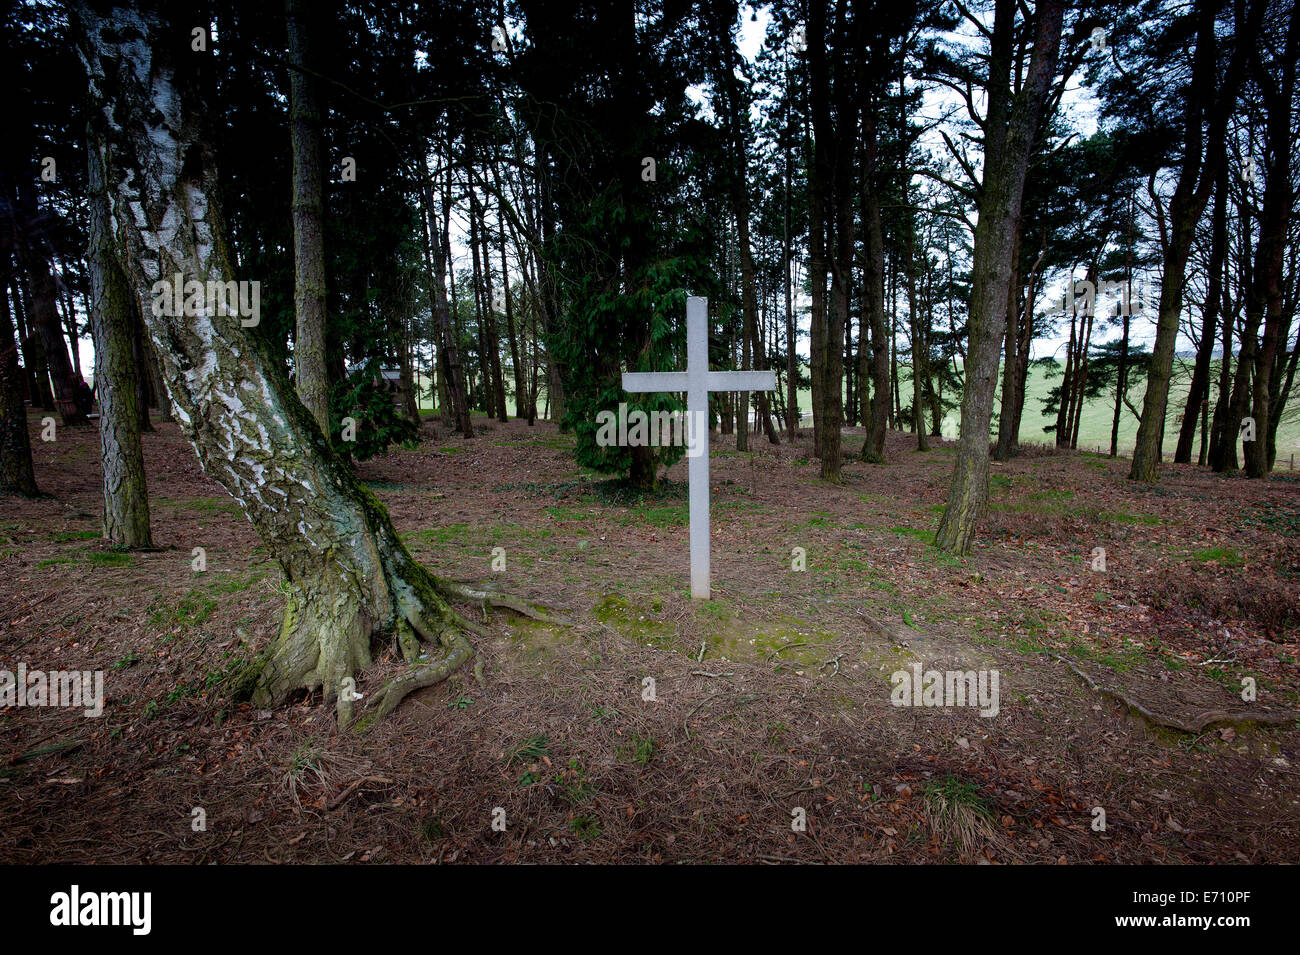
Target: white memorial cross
[(697, 381)]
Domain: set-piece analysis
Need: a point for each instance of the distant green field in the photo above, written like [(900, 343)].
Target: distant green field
[(1094, 431), (1098, 415)]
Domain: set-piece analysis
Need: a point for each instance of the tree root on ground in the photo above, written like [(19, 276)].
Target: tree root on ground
[(481, 597), (385, 701), (448, 632), (1197, 724)]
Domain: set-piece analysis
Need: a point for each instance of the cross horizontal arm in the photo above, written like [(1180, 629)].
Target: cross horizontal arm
[(742, 381), (647, 381)]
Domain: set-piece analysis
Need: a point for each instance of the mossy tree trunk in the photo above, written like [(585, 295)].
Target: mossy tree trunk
[(348, 575)]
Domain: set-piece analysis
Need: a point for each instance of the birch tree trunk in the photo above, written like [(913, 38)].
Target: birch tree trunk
[(348, 575)]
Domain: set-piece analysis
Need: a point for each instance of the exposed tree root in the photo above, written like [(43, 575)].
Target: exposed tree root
[(491, 598), (459, 651), (425, 621), (447, 629), (1197, 724), (889, 633)]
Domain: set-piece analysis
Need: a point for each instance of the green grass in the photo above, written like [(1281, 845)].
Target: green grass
[(667, 515), (925, 536), (714, 610), (661, 515), (191, 610), (562, 512), (535, 747), (235, 584), (442, 535), (639, 750), (574, 785), (951, 792), (1121, 660), (585, 827), (1227, 556), (1051, 494)]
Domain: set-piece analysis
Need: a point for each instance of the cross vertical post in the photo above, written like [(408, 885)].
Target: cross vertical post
[(697, 407), (698, 381)]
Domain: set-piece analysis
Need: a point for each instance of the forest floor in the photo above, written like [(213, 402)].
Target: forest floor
[(772, 701)]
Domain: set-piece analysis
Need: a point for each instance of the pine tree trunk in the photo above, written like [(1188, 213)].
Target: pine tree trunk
[(16, 472), (452, 381), (735, 119), (1026, 327), (1081, 384), (918, 343), (1079, 380), (44, 316), (817, 318), (309, 345), (873, 305), (1007, 150), (1067, 380), (841, 276), (1274, 222), (139, 355), (1209, 96), (792, 421), (1121, 373), (1010, 360), (1198, 393), (70, 318), (113, 324), (1237, 404), (521, 385)]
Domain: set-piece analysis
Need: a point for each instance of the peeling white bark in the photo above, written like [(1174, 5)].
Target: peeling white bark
[(348, 572)]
